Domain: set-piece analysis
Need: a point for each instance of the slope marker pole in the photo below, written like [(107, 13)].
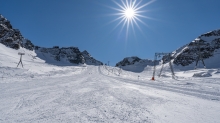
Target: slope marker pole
[(20, 61)]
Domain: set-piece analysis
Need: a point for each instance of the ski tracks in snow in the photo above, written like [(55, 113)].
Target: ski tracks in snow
[(95, 97), (186, 91)]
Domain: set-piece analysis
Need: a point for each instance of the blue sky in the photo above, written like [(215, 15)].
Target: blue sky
[(86, 24)]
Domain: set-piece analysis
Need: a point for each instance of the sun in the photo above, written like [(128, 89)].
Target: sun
[(130, 13)]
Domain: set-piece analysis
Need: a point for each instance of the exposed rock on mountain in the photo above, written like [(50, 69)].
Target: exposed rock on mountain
[(128, 61), (89, 59), (72, 54), (205, 45), (12, 37), (135, 60), (135, 64), (66, 54)]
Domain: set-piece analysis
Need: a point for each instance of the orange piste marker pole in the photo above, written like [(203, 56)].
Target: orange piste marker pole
[(152, 78)]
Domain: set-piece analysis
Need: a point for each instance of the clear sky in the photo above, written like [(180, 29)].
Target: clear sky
[(87, 24)]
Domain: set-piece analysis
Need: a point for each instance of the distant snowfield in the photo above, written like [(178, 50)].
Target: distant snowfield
[(41, 92)]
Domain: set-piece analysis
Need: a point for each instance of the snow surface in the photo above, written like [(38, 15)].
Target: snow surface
[(41, 92)]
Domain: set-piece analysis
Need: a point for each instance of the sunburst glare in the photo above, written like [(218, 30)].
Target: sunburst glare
[(130, 13)]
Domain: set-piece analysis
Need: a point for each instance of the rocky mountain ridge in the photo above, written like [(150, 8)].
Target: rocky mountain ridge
[(70, 54), (13, 38), (206, 45), (134, 60)]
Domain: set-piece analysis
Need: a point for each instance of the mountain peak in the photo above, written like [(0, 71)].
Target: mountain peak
[(12, 37), (5, 22)]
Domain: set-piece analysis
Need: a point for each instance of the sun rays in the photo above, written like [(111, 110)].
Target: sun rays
[(130, 14)]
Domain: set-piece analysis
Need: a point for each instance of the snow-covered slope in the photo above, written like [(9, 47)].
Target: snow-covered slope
[(42, 92), (98, 94), (34, 67)]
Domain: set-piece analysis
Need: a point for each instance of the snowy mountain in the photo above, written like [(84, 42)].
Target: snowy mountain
[(135, 64), (209, 46), (60, 56), (185, 57), (65, 55)]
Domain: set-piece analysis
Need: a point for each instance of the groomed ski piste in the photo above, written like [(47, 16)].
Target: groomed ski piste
[(46, 93)]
